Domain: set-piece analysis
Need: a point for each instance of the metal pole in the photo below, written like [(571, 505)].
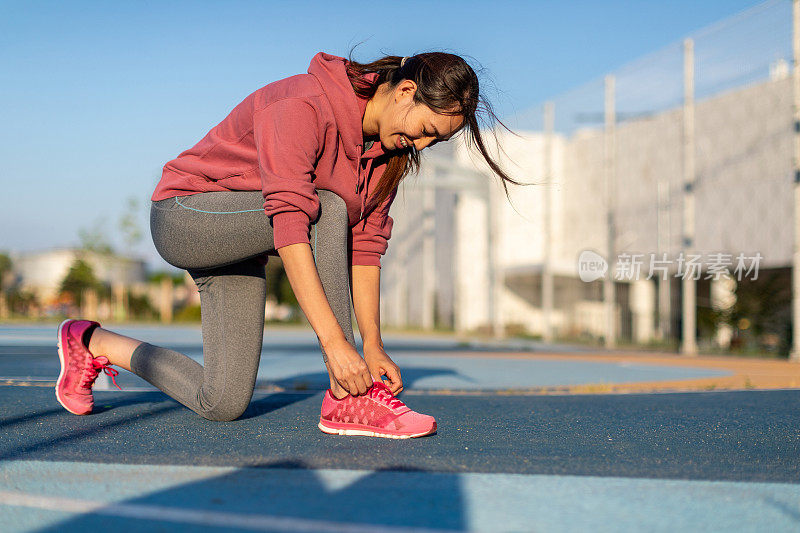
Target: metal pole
[(458, 322), (401, 236), (664, 303), (165, 306), (428, 257), (795, 354), (689, 310), (610, 336), (547, 266), (402, 285), (495, 280)]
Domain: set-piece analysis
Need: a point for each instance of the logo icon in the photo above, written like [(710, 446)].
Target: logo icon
[(591, 266)]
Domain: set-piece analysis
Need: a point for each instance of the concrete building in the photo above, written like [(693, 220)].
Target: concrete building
[(43, 272), (444, 267)]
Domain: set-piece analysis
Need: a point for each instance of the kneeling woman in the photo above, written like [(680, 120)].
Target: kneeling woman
[(305, 167)]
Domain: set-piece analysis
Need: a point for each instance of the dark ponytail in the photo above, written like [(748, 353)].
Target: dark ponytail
[(447, 85)]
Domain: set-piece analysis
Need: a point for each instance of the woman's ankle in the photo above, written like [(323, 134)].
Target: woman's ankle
[(87, 335), (117, 348), (94, 342)]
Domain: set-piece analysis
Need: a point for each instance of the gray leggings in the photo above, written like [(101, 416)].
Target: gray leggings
[(217, 237)]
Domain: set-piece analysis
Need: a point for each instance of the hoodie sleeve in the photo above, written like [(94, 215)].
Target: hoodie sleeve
[(287, 135), (370, 240)]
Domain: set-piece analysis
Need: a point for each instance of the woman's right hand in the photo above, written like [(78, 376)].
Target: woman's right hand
[(348, 367), (349, 370)]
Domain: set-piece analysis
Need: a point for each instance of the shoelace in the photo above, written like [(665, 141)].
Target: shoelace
[(93, 370), (384, 395)]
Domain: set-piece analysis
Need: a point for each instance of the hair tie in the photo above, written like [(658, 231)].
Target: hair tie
[(403, 62)]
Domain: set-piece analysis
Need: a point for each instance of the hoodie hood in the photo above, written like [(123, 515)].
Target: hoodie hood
[(348, 112), (348, 108)]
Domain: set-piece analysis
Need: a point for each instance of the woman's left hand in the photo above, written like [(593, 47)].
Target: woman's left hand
[(380, 365)]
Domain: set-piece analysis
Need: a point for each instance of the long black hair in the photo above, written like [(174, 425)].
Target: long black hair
[(446, 84)]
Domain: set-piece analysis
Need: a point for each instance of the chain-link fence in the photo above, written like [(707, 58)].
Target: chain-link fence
[(674, 173)]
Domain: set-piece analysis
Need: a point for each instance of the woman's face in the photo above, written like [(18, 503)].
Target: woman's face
[(404, 123)]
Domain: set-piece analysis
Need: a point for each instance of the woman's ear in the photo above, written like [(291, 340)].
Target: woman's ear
[(406, 89)]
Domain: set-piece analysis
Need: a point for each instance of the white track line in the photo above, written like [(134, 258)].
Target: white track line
[(197, 517)]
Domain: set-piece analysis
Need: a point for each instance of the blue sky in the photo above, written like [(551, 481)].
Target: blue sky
[(97, 96)]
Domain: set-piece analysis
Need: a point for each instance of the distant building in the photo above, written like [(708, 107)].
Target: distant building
[(455, 232), (43, 272)]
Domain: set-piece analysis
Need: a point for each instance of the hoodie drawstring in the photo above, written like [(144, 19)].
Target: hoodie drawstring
[(367, 173), (360, 149), (362, 181)]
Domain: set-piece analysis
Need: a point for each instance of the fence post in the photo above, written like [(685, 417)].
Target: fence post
[(458, 316), (664, 246), (547, 265), (166, 300), (118, 294), (494, 274), (428, 256), (90, 304), (689, 303), (795, 353), (609, 169), (401, 286)]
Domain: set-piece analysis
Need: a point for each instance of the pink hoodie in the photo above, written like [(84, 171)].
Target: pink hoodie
[(289, 139)]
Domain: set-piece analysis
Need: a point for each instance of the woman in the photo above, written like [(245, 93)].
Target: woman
[(305, 167)]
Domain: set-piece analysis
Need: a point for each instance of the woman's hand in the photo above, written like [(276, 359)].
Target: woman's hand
[(348, 368), (380, 365)]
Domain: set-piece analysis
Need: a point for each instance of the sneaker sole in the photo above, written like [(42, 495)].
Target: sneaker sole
[(63, 370), (370, 433)]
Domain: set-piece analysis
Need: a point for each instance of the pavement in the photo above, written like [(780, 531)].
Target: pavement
[(519, 447)]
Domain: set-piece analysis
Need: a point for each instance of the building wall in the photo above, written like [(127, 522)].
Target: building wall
[(444, 227), (745, 184), (743, 195), (43, 272), (471, 266)]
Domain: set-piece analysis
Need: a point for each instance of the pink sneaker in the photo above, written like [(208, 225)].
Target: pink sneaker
[(79, 369), (375, 414)]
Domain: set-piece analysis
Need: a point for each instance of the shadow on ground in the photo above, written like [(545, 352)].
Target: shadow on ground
[(260, 496)]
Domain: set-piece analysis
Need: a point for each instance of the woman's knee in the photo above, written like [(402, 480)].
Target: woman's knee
[(226, 407), (225, 412)]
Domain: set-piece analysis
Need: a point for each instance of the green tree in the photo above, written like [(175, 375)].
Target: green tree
[(80, 278), (22, 302), (766, 305), (140, 307), (177, 277), (129, 223), (5, 270), (278, 284), (95, 239)]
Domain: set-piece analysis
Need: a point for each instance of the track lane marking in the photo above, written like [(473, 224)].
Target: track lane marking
[(196, 517)]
